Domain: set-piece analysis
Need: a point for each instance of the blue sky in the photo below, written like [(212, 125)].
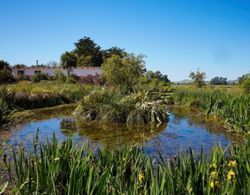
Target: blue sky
[(177, 36)]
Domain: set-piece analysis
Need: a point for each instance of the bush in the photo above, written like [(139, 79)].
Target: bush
[(22, 78), (92, 79), (246, 85), (39, 77), (6, 77), (71, 80), (60, 77)]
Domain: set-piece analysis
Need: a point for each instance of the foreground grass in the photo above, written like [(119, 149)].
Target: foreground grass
[(233, 109), (65, 169)]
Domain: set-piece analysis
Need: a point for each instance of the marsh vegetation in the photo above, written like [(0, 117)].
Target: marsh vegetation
[(64, 169), (127, 98)]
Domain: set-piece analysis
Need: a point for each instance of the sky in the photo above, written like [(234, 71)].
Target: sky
[(177, 36)]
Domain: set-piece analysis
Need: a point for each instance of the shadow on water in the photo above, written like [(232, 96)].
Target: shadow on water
[(183, 131)]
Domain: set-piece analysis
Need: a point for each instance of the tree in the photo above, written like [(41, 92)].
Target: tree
[(113, 51), (88, 53), (124, 71), (19, 66), (243, 78), (246, 85), (219, 81), (5, 73), (4, 65), (68, 61), (157, 75), (198, 77)]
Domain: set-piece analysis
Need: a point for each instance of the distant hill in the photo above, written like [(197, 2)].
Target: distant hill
[(185, 81)]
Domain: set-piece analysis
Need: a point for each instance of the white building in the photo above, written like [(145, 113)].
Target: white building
[(80, 72)]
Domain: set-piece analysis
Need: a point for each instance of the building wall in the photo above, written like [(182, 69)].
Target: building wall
[(80, 71)]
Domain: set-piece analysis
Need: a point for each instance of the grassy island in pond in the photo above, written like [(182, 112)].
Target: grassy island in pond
[(110, 105)]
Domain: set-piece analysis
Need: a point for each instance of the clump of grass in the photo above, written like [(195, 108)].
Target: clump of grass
[(5, 110), (111, 105), (5, 113), (234, 110), (3, 168), (64, 169)]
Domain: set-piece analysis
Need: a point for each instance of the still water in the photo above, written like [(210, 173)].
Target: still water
[(178, 135)]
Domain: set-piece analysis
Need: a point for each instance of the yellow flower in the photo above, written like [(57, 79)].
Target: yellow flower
[(214, 174), (232, 163), (230, 175), (213, 166), (214, 184), (141, 176)]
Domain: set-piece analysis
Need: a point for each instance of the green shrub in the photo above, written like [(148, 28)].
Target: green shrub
[(246, 85), (60, 77), (71, 80), (5, 73), (39, 77), (6, 77)]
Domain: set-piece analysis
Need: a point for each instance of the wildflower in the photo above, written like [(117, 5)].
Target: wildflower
[(214, 174), (230, 175), (214, 184), (213, 166), (141, 176), (232, 163)]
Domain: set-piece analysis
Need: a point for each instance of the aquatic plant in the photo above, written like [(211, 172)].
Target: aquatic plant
[(110, 105), (3, 182), (233, 109), (5, 113), (64, 169), (5, 108)]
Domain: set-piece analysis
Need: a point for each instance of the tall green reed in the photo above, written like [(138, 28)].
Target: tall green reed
[(234, 110), (63, 168)]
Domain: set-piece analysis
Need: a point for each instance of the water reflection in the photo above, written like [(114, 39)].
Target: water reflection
[(182, 132), (116, 135)]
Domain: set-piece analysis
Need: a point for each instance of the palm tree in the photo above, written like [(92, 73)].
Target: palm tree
[(68, 61)]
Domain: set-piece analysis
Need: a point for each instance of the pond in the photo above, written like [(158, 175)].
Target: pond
[(183, 131)]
